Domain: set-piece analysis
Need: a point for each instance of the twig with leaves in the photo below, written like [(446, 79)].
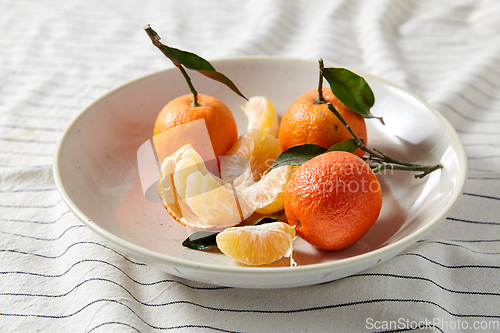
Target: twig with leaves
[(381, 161), (355, 93)]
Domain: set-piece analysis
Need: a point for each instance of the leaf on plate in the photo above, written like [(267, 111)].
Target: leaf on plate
[(191, 61), (297, 155), (202, 240), (352, 90)]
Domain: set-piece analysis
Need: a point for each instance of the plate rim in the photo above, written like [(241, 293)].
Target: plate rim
[(378, 253)]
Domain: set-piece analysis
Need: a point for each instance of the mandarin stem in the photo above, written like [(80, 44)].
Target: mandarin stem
[(155, 39), (384, 161), (320, 99), (424, 168), (191, 87)]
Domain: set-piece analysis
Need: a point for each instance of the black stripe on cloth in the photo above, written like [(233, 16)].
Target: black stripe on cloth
[(46, 129), (106, 280), (113, 323), (476, 240), (168, 328), (482, 144), (473, 104), (412, 329), (449, 266), (30, 190), (83, 261), (469, 84), (465, 117), (45, 106), (483, 178), (35, 221), (26, 154), (470, 221), (437, 4), (173, 327), (481, 196), (488, 157), (35, 206), (29, 141), (69, 247), (34, 116), (476, 133), (44, 239), (414, 79), (456, 245), (107, 300), (483, 170), (289, 311), (420, 278), (26, 167), (100, 279), (446, 68)]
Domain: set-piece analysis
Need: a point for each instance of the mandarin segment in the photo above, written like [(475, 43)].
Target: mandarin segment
[(261, 115), (267, 195), (269, 151), (213, 202), (251, 150), (257, 245), (196, 198)]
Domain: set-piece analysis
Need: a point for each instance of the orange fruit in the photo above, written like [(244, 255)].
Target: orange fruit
[(333, 200), (308, 122), (258, 244), (218, 118)]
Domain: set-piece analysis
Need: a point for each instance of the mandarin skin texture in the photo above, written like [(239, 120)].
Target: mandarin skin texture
[(307, 122), (333, 200)]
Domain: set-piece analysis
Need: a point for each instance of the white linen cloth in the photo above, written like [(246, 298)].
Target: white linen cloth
[(58, 56)]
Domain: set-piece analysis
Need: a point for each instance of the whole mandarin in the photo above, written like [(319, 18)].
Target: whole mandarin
[(333, 200), (218, 118), (309, 122)]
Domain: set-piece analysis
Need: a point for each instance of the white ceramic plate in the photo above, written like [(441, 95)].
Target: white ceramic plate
[(96, 171)]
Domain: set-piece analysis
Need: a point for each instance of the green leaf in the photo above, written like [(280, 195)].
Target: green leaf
[(191, 61), (214, 75), (202, 240), (188, 59), (352, 90), (297, 155), (348, 145)]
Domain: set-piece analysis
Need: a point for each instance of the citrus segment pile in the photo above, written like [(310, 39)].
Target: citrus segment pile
[(257, 245), (251, 150), (200, 200), (267, 195), (195, 197)]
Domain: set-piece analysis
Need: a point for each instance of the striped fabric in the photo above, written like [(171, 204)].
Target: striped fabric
[(58, 56)]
